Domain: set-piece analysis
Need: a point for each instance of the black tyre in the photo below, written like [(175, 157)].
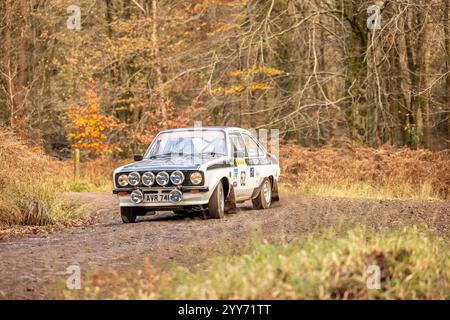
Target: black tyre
[(128, 215), (216, 205), (264, 198)]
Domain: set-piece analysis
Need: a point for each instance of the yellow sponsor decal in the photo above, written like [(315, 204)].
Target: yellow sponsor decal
[(241, 162)]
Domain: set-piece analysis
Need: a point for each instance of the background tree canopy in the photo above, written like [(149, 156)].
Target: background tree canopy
[(312, 69)]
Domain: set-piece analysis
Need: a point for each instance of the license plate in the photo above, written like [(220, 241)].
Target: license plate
[(160, 197)]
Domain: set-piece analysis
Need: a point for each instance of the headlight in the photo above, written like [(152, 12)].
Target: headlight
[(175, 195), (162, 178), (134, 178), (122, 180), (196, 178), (177, 177), (137, 196), (148, 179)]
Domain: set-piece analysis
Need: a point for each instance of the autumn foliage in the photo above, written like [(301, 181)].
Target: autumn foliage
[(157, 122), (89, 127), (247, 79)]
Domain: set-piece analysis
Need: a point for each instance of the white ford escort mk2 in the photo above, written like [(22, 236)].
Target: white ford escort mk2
[(207, 169)]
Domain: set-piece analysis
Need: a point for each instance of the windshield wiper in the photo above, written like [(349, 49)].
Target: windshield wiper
[(166, 155)]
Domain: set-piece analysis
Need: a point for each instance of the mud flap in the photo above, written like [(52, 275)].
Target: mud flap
[(256, 191), (230, 202), (275, 195)]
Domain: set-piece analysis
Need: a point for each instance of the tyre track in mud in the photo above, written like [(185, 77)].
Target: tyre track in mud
[(31, 267)]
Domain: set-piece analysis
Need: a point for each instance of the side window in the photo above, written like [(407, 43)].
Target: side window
[(252, 147), (237, 146)]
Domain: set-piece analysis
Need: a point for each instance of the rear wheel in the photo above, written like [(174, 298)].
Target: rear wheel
[(128, 214), (264, 198), (216, 205)]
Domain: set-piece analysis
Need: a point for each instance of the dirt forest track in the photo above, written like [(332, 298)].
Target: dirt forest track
[(32, 266)]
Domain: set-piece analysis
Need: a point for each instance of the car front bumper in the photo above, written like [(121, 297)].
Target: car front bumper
[(191, 197)]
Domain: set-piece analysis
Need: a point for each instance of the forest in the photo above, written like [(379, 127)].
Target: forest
[(106, 75)]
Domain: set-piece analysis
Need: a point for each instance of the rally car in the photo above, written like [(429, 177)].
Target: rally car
[(198, 169)]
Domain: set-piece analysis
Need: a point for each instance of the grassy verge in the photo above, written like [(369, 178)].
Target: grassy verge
[(32, 186), (413, 265), (37, 204), (95, 175), (356, 171), (85, 185), (350, 189)]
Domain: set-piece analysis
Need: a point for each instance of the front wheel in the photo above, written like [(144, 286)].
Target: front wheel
[(216, 205), (264, 198), (128, 214)]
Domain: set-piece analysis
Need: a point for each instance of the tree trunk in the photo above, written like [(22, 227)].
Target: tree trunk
[(417, 58), (447, 51), (398, 99), (9, 73), (356, 73), (425, 96), (22, 80), (159, 80)]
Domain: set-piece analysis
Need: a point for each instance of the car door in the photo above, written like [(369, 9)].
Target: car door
[(255, 162), (239, 170)]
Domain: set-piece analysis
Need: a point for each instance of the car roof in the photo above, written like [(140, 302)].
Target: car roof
[(227, 129)]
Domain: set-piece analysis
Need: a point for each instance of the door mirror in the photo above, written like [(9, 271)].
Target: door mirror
[(138, 157)]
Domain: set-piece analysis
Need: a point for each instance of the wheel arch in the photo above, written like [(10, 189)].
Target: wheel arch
[(274, 187), (271, 179), (226, 186)]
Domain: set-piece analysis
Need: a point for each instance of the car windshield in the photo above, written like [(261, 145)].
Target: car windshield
[(188, 143)]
